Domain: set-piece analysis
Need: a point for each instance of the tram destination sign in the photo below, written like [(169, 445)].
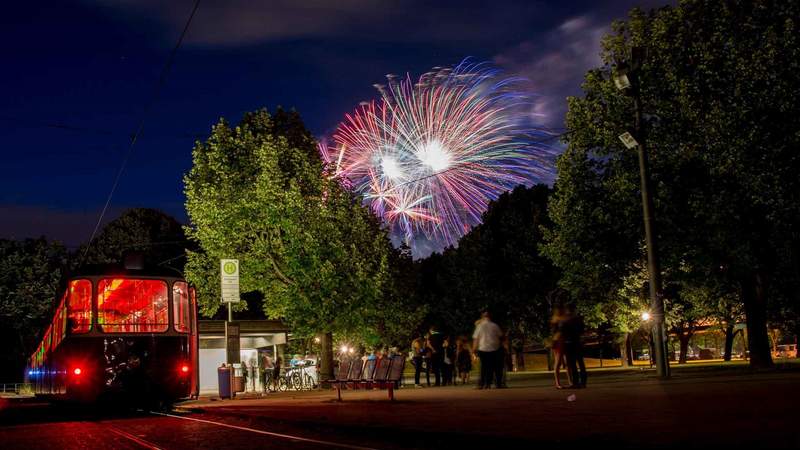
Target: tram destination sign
[(229, 274)]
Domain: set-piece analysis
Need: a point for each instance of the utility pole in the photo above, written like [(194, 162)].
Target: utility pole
[(653, 264)]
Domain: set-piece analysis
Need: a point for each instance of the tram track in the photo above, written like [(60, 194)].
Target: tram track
[(138, 440), (284, 436)]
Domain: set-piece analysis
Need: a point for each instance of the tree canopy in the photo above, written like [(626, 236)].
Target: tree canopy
[(158, 237), (260, 193), (719, 87), (30, 273)]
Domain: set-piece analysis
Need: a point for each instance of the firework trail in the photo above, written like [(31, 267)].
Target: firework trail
[(428, 156)]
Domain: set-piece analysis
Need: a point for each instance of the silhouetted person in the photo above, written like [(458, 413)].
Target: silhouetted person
[(463, 360), (573, 347), (558, 324), (448, 365), (420, 350), (436, 347)]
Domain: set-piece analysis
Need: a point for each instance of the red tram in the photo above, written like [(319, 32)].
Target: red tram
[(129, 334)]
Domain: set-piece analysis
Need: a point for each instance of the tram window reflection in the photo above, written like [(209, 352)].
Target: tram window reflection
[(79, 306), (127, 305), (180, 302)]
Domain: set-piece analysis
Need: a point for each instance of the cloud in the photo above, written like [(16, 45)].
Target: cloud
[(245, 22), (555, 64), (556, 61)]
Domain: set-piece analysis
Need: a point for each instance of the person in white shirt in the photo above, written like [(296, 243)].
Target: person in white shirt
[(486, 345)]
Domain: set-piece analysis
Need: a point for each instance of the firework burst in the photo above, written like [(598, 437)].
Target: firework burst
[(428, 156)]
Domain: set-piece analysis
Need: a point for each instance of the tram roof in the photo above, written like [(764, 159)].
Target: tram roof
[(121, 270)]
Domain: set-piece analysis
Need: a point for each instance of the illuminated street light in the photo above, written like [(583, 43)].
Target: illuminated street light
[(645, 316), (317, 340), (343, 349)]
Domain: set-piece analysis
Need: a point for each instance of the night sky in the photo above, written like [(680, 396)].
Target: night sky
[(76, 77)]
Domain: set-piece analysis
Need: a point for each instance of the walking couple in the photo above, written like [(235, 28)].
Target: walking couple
[(567, 326)]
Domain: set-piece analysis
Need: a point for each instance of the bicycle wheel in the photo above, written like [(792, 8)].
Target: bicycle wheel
[(309, 382), (283, 385), (297, 381)]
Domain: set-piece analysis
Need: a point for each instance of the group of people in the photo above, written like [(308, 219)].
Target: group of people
[(438, 354), (450, 361), (567, 327)]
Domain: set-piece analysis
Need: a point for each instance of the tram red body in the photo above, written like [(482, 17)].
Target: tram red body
[(129, 334)]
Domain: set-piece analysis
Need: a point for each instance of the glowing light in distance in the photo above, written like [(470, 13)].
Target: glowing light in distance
[(645, 316), (77, 371)]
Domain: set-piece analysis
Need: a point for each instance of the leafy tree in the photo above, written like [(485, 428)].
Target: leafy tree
[(158, 237), (719, 86), (259, 192), (497, 265), (30, 273)]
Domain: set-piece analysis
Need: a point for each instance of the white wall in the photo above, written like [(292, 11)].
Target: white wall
[(210, 360)]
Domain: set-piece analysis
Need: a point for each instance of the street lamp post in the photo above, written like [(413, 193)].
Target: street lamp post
[(631, 86)]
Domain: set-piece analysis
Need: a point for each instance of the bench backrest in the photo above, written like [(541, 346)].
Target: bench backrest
[(398, 365), (382, 370), (357, 370), (345, 366), (369, 370)]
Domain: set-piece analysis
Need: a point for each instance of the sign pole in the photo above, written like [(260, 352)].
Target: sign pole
[(229, 277)]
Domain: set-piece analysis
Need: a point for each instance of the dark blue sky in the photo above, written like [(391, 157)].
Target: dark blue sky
[(92, 66)]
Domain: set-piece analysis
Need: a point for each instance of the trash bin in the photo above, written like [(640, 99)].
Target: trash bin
[(224, 382), (238, 378)]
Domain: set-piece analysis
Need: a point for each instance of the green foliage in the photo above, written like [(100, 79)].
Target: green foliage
[(719, 89), (259, 192), (30, 273)]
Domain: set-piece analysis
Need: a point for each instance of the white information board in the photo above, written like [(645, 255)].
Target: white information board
[(229, 274)]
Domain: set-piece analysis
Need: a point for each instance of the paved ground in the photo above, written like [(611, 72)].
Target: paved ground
[(730, 409)]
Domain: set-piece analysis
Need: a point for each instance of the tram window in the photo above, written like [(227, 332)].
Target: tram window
[(127, 305), (79, 306), (180, 306)]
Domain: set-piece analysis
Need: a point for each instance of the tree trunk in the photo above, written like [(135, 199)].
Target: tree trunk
[(625, 351), (683, 338), (550, 358), (754, 297), (326, 358), (728, 341)]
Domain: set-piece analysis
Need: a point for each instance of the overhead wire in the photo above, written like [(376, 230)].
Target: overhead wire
[(156, 91)]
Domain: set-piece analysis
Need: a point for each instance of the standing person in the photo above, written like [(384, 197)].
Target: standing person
[(463, 360), (419, 350), (486, 344), (436, 347), (448, 362), (557, 325), (269, 366), (574, 347)]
